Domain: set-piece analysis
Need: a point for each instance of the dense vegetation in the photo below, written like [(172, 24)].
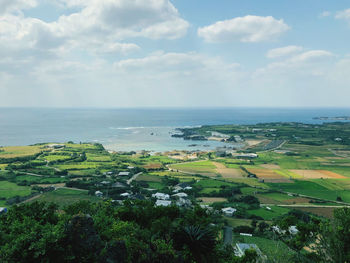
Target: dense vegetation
[(104, 232)]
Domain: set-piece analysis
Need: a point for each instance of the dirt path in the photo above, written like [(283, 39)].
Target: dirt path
[(31, 199)]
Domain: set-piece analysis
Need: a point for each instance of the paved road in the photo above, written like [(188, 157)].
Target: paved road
[(227, 235)]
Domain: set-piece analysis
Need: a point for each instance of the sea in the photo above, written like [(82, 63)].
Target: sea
[(139, 128)]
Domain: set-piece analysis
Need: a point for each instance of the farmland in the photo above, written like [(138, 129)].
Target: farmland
[(263, 182)]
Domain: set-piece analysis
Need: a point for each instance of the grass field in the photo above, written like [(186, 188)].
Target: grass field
[(312, 189), (211, 183), (233, 222), (181, 176), (201, 167), (276, 251), (149, 178), (40, 180), (65, 196), (269, 214), (19, 151), (78, 166), (56, 157), (210, 200), (98, 158), (8, 190)]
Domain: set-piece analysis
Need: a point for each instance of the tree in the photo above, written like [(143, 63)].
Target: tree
[(334, 241), (199, 241)]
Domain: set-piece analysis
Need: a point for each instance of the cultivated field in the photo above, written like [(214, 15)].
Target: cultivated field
[(228, 173), (269, 176), (317, 174), (19, 151), (210, 200)]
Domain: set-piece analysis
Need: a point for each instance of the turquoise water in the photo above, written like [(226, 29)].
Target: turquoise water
[(130, 129)]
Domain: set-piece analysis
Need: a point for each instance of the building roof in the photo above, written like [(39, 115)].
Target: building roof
[(161, 196), (181, 195), (163, 203), (229, 210), (124, 173)]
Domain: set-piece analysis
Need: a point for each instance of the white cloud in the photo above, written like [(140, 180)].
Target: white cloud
[(7, 6), (98, 26), (244, 29), (345, 15), (308, 63), (283, 51), (123, 19)]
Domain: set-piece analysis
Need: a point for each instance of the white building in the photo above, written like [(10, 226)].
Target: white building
[(182, 195), (229, 211), (163, 203), (161, 196), (240, 249), (98, 193), (124, 174), (293, 230)]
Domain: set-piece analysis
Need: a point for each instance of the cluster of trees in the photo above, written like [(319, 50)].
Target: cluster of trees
[(104, 232)]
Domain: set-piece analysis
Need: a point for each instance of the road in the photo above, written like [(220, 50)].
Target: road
[(227, 235), (133, 178)]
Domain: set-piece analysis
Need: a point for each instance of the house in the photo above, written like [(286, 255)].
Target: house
[(246, 234), (247, 156), (229, 211), (3, 210), (56, 146), (161, 196), (131, 167), (293, 230), (105, 182), (338, 139), (124, 174), (277, 230), (138, 197), (240, 249), (183, 202), (163, 203), (181, 195), (118, 185), (125, 195), (98, 193)]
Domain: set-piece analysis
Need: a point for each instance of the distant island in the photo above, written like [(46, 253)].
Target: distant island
[(340, 118)]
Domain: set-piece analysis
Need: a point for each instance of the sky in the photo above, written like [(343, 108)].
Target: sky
[(179, 53)]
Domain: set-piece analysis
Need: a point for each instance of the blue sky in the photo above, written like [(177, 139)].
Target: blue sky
[(180, 53)]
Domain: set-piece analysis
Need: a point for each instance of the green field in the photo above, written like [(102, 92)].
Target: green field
[(65, 197), (56, 157), (8, 190), (199, 167), (211, 183), (19, 151), (313, 189), (268, 214), (276, 251), (40, 180)]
